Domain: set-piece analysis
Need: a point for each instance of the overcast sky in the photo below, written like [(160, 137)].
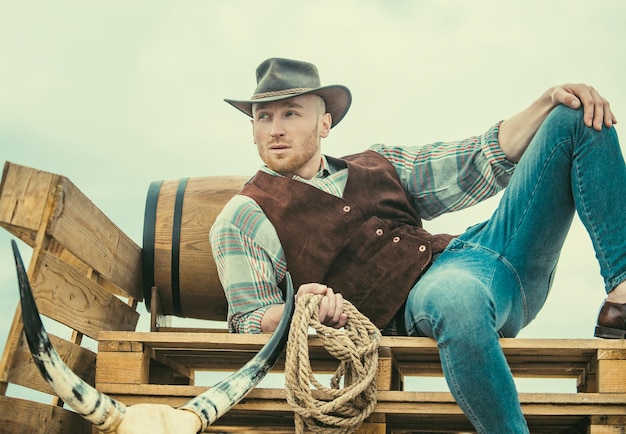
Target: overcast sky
[(116, 94)]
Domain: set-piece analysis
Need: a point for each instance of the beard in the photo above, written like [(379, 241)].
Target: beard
[(298, 156)]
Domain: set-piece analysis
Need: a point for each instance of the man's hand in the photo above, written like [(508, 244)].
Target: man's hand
[(331, 307), (517, 131), (596, 108), (330, 312)]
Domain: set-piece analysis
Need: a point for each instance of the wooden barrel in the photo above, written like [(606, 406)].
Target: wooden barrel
[(177, 256)]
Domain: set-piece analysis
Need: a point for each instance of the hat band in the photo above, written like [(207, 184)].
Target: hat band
[(293, 91)]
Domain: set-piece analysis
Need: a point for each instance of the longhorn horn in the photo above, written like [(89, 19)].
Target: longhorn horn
[(98, 408), (212, 404), (105, 412)]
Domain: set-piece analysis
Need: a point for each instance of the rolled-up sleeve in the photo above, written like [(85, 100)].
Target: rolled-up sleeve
[(443, 177), (250, 261)]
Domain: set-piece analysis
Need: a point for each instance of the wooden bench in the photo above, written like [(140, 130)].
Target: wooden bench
[(86, 274)]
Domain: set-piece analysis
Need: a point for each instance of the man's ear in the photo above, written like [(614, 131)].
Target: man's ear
[(252, 124), (326, 122)]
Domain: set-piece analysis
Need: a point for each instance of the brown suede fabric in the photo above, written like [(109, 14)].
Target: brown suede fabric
[(369, 245)]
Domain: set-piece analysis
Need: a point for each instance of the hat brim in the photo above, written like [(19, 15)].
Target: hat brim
[(337, 97)]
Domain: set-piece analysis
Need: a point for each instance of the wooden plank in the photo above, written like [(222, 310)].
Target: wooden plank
[(19, 416), (166, 329), (64, 294), (389, 402), (89, 234), (401, 346), (56, 248), (532, 368), (611, 354), (161, 390), (404, 411), (23, 194), (123, 367), (611, 376), (607, 425), (24, 372), (120, 346), (610, 420), (39, 240), (606, 429), (251, 342), (395, 397), (10, 347), (157, 319), (384, 371), (372, 428), (436, 424)]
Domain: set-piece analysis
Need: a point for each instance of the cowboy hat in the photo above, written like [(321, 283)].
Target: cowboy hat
[(279, 79)]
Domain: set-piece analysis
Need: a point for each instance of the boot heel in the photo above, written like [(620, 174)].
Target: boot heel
[(609, 333)]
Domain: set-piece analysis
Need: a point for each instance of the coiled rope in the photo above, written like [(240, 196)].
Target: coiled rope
[(335, 410)]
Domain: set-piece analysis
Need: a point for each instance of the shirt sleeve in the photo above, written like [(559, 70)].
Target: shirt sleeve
[(250, 261), (443, 177)]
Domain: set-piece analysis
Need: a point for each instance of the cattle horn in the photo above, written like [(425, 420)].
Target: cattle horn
[(216, 401), (106, 413), (99, 409)]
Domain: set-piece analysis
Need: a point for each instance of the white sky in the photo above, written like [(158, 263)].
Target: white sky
[(116, 94)]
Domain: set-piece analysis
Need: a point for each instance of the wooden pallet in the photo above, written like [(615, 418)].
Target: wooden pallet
[(597, 366), (86, 278), (87, 275)]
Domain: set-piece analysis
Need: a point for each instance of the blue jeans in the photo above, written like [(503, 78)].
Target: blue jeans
[(494, 279)]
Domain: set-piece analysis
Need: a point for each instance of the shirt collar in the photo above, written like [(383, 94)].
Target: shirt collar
[(324, 168)]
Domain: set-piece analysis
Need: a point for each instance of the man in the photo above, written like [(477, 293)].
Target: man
[(351, 227)]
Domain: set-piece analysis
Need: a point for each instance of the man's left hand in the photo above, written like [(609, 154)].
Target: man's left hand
[(597, 110)]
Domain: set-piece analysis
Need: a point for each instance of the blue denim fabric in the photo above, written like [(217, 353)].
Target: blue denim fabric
[(494, 279)]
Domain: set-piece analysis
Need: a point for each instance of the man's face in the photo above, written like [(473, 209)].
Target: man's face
[(288, 134)]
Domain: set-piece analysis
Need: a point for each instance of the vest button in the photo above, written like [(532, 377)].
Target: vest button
[(422, 248), (396, 239), (379, 232), (346, 208)]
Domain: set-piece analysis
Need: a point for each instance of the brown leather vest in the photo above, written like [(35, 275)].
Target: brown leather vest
[(369, 245)]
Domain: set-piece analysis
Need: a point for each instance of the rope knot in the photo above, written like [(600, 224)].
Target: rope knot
[(333, 410)]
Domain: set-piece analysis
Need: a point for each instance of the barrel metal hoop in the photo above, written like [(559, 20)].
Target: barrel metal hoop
[(176, 228), (147, 253)]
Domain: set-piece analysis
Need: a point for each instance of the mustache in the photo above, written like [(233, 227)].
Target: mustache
[(279, 141)]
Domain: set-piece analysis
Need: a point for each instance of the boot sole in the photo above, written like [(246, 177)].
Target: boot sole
[(609, 333)]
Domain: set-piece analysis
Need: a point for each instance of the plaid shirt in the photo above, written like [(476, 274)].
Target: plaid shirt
[(438, 178)]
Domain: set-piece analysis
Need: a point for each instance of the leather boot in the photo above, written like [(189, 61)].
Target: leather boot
[(611, 321)]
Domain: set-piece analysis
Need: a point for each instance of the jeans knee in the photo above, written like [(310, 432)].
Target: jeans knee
[(457, 306), (574, 120), (563, 115), (567, 126)]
